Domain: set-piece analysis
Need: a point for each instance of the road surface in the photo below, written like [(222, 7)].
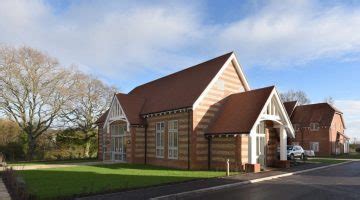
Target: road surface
[(339, 182)]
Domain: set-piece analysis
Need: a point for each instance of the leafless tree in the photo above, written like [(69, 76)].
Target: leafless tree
[(91, 100), (33, 90), (299, 96), (9, 131), (330, 100)]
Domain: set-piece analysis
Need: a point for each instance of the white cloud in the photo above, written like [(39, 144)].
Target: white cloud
[(285, 33), (114, 40), (351, 110), (125, 40)]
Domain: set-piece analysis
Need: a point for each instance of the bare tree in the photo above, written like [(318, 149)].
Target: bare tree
[(9, 131), (91, 100), (299, 96), (330, 100), (33, 90)]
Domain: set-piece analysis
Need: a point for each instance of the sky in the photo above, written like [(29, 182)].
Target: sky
[(307, 45)]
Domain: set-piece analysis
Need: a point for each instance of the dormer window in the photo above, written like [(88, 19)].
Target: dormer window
[(314, 126)]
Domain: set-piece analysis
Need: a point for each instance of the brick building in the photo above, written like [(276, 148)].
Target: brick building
[(318, 127), (197, 118)]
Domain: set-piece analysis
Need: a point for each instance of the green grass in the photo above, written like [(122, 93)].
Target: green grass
[(26, 163), (327, 161), (69, 181), (354, 155)]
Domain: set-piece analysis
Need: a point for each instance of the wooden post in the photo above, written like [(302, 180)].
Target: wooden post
[(227, 167)]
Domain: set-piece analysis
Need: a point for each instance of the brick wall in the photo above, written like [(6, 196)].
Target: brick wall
[(182, 161), (326, 136), (233, 148), (337, 126), (229, 82)]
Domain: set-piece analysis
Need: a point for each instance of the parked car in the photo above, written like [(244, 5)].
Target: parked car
[(309, 153), (295, 151)]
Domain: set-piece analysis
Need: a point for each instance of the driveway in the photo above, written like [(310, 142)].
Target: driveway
[(339, 182)]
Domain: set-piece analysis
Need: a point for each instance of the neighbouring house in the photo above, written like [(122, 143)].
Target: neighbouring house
[(318, 127), (197, 118)]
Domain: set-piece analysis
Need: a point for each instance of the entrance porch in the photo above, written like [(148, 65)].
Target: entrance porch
[(114, 147)]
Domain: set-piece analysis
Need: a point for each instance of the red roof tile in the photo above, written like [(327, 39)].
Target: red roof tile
[(132, 106), (290, 106), (175, 91), (240, 112), (181, 89), (321, 113), (102, 118)]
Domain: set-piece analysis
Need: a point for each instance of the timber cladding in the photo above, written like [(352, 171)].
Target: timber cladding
[(228, 83), (182, 160)]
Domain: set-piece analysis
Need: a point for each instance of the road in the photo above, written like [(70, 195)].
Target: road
[(339, 182)]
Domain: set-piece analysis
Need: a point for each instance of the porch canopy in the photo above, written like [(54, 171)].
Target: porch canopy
[(243, 113)]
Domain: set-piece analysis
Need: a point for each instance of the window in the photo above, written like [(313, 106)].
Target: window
[(117, 129), (173, 139), (160, 127), (260, 129), (314, 126), (314, 146)]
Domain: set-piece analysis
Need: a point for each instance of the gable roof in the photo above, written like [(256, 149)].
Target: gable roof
[(289, 107), (180, 89), (102, 118), (175, 91), (321, 113), (240, 112), (132, 106)]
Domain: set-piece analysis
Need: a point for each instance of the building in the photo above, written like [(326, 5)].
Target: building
[(197, 118), (318, 127)]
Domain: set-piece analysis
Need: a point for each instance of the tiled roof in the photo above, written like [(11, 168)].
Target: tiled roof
[(290, 106), (321, 113), (175, 91), (102, 118), (181, 89), (240, 112), (132, 106)]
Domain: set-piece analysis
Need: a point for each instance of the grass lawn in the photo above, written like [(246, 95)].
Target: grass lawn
[(327, 161), (354, 155), (23, 163), (69, 181)]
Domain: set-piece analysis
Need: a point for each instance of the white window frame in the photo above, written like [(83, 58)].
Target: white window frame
[(312, 146), (314, 126), (173, 139), (159, 139)]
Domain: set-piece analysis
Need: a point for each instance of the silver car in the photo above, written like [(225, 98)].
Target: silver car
[(294, 151)]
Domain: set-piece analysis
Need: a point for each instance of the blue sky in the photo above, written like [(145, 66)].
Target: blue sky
[(303, 45)]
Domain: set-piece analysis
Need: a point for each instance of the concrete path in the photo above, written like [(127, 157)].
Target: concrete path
[(158, 191), (4, 195), (333, 183)]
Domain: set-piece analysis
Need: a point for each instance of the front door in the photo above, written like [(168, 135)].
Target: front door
[(260, 150), (117, 148)]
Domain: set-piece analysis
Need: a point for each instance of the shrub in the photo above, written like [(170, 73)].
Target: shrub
[(357, 149), (12, 151), (15, 185)]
